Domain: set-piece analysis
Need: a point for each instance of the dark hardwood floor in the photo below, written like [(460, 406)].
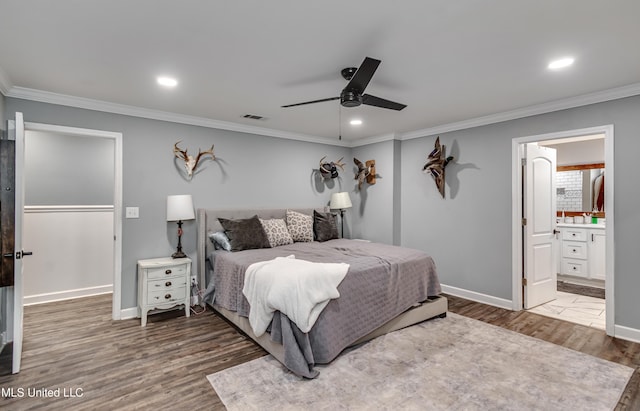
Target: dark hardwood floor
[(118, 365)]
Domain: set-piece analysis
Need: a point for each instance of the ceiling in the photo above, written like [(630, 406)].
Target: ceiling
[(448, 61)]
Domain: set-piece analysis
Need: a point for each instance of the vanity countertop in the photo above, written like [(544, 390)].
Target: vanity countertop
[(602, 226)]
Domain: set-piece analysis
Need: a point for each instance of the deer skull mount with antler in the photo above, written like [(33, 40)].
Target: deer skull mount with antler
[(330, 169), (191, 162), (366, 172)]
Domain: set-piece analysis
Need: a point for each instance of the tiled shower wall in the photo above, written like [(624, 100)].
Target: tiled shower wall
[(571, 182)]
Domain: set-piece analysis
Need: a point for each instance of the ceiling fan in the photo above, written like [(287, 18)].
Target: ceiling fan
[(352, 95)]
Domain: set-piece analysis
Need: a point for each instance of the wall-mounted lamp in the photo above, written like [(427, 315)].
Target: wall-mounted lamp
[(179, 208), (340, 201)]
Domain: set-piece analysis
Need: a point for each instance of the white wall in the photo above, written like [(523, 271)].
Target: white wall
[(72, 252), (579, 152)]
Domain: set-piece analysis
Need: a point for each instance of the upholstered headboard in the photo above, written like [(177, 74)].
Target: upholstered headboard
[(207, 221)]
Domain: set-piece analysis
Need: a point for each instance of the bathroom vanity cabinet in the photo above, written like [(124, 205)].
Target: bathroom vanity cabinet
[(582, 250)]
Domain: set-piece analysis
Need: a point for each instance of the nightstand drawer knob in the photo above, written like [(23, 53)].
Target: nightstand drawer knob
[(167, 296), (167, 284), (168, 272)]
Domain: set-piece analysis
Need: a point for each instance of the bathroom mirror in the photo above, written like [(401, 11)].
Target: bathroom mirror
[(580, 188)]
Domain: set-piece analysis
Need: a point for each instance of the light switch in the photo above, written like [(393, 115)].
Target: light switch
[(132, 212)]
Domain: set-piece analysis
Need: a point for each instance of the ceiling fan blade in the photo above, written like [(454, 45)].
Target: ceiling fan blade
[(311, 102), (370, 100), (363, 75)]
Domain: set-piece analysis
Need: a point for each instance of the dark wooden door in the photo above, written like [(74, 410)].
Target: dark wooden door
[(7, 210)]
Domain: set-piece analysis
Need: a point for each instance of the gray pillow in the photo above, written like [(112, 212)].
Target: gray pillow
[(220, 240), (324, 226), (245, 234)]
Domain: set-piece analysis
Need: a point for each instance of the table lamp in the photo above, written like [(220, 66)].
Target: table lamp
[(340, 201), (179, 208)]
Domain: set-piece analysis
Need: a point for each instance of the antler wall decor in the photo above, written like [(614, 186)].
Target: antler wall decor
[(366, 172), (436, 162), (330, 169), (190, 162)]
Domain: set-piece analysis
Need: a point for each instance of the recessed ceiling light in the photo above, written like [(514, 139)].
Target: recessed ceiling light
[(167, 81), (560, 63), (355, 122)]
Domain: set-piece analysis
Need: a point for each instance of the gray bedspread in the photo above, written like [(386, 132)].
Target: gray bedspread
[(383, 281)]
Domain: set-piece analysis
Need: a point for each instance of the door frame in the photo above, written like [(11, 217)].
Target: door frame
[(516, 208), (117, 198)]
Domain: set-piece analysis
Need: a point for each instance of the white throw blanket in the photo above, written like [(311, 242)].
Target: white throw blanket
[(299, 289)]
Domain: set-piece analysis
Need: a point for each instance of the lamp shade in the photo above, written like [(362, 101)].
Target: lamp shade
[(180, 207), (340, 201)]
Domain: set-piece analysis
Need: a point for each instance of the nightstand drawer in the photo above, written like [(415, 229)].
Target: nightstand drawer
[(163, 272), (572, 249), (167, 296), (167, 284)]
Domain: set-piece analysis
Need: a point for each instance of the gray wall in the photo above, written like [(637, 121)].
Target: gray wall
[(3, 119), (68, 170), (469, 233), (251, 171), (374, 205)]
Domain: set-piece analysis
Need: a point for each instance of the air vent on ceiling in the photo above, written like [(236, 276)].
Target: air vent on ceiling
[(253, 117)]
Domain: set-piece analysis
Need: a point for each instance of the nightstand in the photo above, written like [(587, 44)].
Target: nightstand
[(163, 283)]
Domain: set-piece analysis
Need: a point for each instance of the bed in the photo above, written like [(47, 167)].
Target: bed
[(386, 288)]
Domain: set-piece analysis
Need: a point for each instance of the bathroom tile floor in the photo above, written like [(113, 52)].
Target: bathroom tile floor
[(575, 308)]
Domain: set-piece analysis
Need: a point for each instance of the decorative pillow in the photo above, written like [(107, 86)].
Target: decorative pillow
[(220, 240), (300, 226), (245, 234), (324, 226), (276, 230)]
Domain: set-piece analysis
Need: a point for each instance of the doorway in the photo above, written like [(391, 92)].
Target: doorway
[(518, 271), (116, 174)]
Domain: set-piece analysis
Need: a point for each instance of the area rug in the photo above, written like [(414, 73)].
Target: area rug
[(453, 363)]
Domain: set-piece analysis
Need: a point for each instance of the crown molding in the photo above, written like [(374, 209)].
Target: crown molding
[(98, 105), (572, 102), (372, 140), (79, 102), (5, 83)]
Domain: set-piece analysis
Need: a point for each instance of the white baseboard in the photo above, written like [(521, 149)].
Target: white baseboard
[(477, 297), (626, 333), (129, 313), (67, 295)]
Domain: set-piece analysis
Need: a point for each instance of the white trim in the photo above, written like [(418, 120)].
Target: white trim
[(626, 333), (67, 294), (372, 140), (477, 297), (98, 105), (129, 313), (67, 208), (516, 204), (5, 83), (572, 102), (117, 198)]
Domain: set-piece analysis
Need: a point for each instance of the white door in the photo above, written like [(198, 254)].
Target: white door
[(539, 226), (18, 252)]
